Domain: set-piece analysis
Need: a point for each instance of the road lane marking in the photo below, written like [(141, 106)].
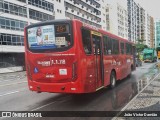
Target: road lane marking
[(8, 80), (13, 92), (12, 84), (59, 100), (124, 108), (12, 78), (42, 106)]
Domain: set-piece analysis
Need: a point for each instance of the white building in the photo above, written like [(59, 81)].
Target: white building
[(103, 14), (148, 30), (14, 16), (133, 20), (117, 17), (88, 11), (157, 32), (59, 9)]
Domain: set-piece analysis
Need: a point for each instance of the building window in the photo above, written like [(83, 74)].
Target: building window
[(87, 13), (9, 39), (33, 14), (42, 4), (13, 9), (12, 24), (71, 16), (58, 1), (22, 1)]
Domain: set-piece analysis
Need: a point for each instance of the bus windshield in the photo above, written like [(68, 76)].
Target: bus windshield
[(49, 37)]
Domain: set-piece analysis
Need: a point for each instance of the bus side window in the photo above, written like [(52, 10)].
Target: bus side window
[(128, 49), (107, 45), (134, 50), (96, 44), (86, 40), (122, 48), (115, 46)]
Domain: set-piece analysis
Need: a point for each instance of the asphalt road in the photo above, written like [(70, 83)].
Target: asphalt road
[(15, 96)]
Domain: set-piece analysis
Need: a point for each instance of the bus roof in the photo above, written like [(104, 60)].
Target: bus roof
[(102, 31), (84, 24), (51, 21), (115, 36)]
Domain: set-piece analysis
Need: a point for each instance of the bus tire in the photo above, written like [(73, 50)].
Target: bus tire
[(113, 79)]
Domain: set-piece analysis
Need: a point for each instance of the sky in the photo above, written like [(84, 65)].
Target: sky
[(151, 6)]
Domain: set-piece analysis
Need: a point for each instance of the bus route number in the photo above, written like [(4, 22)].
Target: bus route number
[(51, 62), (61, 28), (58, 62)]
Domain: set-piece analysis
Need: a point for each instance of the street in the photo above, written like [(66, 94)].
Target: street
[(15, 96)]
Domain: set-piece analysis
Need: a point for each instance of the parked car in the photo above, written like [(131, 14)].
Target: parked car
[(138, 62)]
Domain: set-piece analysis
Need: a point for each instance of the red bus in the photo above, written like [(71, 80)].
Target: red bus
[(69, 56)]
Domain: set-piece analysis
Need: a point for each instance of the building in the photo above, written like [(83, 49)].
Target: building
[(148, 30), (139, 23), (59, 9), (14, 16), (117, 18), (133, 20), (89, 11), (152, 33), (157, 33), (142, 25), (103, 15)]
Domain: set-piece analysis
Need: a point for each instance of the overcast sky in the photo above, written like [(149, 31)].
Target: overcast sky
[(151, 6)]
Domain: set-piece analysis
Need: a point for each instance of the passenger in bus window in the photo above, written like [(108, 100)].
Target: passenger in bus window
[(39, 36), (86, 49), (67, 43), (109, 52)]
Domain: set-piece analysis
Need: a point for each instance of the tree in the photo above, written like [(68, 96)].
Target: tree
[(140, 41), (140, 46), (158, 49)]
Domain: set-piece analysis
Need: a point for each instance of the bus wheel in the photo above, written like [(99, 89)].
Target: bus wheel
[(112, 79)]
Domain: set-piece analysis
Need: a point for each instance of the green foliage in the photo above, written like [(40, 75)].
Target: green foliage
[(140, 47), (140, 41), (158, 49)]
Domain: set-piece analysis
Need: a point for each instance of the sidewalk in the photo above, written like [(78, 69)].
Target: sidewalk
[(147, 100), (11, 69)]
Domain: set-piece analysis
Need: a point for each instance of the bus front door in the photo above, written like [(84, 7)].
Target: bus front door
[(97, 47)]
